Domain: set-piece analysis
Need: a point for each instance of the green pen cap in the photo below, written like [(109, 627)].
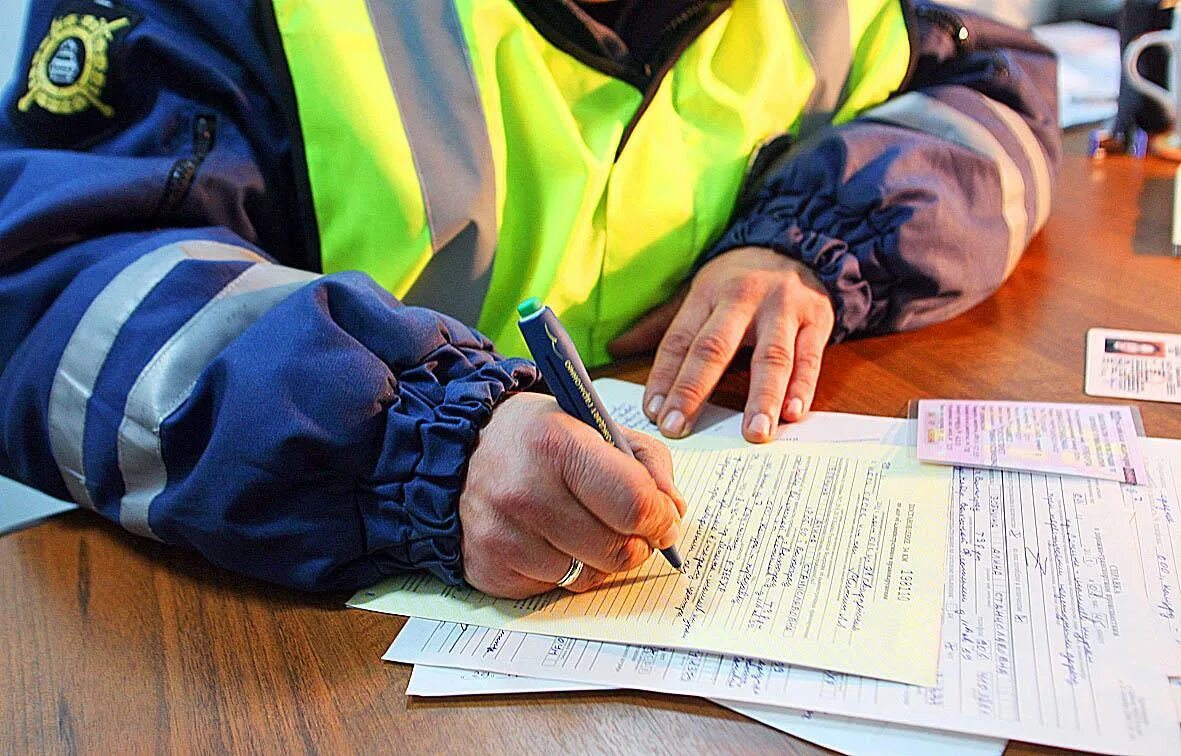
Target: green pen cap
[(529, 307)]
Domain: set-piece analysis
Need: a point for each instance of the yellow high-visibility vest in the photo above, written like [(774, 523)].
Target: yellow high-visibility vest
[(466, 162)]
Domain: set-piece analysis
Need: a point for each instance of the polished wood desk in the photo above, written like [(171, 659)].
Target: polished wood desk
[(113, 644)]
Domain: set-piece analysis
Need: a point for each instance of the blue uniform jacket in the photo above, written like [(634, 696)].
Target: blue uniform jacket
[(169, 357)]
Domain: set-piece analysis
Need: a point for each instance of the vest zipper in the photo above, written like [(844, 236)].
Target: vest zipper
[(678, 33), (183, 171)]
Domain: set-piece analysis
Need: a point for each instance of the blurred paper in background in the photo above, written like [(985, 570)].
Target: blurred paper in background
[(1088, 70)]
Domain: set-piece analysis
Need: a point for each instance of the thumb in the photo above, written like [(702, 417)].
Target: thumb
[(646, 333)]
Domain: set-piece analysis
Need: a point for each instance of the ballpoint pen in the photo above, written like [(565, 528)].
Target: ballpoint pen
[(560, 364)]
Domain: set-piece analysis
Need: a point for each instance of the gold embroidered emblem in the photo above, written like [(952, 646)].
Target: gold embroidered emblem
[(69, 69)]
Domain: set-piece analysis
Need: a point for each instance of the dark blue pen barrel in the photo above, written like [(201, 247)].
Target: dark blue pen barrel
[(565, 375), (562, 368)]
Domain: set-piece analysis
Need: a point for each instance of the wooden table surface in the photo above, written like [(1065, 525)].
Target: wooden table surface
[(113, 644)]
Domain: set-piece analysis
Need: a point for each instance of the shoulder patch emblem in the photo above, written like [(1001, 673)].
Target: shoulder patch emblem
[(69, 70)]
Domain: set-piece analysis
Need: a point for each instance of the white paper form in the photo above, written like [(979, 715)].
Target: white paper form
[(623, 400), (849, 736), (1156, 513), (1092, 440), (832, 557), (434, 682), (1047, 635)]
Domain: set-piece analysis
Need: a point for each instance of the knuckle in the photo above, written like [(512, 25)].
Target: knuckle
[(689, 394), (515, 500), (821, 312), (775, 354), (544, 439), (620, 557), (634, 517), (746, 288), (644, 517), (627, 554), (661, 457), (677, 342), (485, 578), (661, 378), (808, 362), (641, 443), (586, 467), (711, 346), (496, 543), (636, 553)]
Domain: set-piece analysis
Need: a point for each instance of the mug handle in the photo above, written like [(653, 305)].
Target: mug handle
[(1156, 92)]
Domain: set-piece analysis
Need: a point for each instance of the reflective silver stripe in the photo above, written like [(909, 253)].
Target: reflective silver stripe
[(824, 27), (434, 83), (1035, 155), (923, 113), (168, 379), (90, 344)]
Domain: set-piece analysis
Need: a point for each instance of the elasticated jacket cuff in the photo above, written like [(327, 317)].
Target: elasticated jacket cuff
[(410, 510)]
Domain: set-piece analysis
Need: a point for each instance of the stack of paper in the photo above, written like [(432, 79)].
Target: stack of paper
[(807, 554), (1059, 592)]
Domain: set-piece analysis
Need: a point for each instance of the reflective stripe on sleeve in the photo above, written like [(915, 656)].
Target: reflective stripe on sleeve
[(430, 70), (1035, 156), (824, 28), (170, 376), (91, 342), (921, 112)]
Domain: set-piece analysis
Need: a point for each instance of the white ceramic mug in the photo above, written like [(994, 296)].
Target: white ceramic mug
[(1170, 98)]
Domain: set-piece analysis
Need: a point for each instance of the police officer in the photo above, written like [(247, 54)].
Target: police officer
[(254, 258)]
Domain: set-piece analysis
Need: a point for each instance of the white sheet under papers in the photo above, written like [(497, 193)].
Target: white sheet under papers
[(1156, 511), (434, 682), (623, 400), (861, 738), (849, 736), (21, 506)]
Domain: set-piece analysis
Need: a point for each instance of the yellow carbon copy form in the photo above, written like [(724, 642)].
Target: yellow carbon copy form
[(823, 555)]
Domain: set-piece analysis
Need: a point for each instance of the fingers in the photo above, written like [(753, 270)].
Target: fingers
[(701, 366), (674, 347), (645, 335), (618, 490), (655, 457), (576, 531), (549, 565), (566, 494), (530, 552), (541, 572), (809, 352), (770, 369), (488, 568)]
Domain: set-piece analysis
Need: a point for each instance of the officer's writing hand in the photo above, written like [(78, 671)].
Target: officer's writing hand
[(543, 487), (750, 296)]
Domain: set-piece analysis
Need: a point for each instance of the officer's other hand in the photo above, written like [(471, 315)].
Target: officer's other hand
[(543, 487), (746, 297)]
